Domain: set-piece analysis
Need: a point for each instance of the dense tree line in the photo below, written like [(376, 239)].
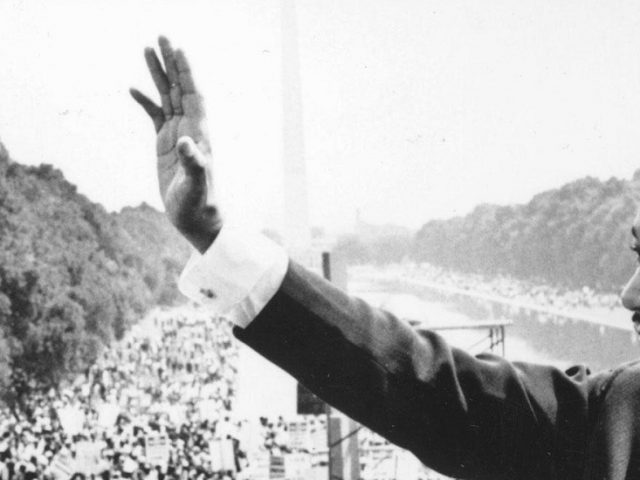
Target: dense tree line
[(573, 236), (72, 276)]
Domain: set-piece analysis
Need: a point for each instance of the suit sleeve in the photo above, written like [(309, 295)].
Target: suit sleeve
[(465, 416)]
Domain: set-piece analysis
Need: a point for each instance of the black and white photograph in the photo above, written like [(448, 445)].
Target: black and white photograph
[(319, 240)]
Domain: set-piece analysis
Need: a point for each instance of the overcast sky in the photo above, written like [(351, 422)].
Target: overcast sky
[(412, 109)]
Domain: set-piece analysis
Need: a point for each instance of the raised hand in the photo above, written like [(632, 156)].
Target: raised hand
[(185, 173)]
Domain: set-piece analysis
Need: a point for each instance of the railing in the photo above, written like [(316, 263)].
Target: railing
[(496, 333)]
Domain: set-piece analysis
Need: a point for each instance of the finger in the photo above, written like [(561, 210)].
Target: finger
[(149, 106), (192, 102), (170, 66), (191, 158), (184, 73), (160, 79)]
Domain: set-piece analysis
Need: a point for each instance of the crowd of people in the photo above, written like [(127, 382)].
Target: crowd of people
[(170, 382), (159, 406), (510, 288)]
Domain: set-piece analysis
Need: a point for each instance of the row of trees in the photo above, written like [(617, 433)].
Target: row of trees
[(573, 236), (72, 276), (576, 235)]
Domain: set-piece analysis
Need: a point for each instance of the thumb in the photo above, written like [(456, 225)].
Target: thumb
[(190, 155)]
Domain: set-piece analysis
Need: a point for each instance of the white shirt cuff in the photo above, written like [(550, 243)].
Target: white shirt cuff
[(237, 275)]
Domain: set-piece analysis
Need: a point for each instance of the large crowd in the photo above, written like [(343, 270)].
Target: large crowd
[(159, 406), (170, 383), (511, 288)]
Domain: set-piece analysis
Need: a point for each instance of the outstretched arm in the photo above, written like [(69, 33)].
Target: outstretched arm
[(467, 417)]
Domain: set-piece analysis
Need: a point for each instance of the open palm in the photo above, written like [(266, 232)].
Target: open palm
[(183, 148)]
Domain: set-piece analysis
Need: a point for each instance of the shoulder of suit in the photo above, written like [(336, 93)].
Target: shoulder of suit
[(621, 384)]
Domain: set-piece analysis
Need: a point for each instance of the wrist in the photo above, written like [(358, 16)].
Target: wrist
[(201, 240), (203, 232)]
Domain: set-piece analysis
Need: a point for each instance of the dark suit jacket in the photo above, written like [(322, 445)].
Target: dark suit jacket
[(467, 417)]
